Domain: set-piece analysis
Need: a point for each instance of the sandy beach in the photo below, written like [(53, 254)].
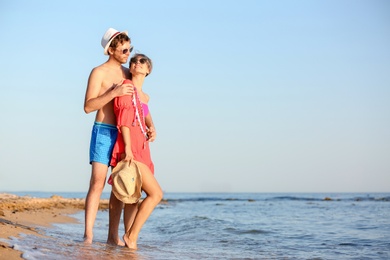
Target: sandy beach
[(25, 214)]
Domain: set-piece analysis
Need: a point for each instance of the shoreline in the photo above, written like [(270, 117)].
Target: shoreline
[(25, 214)]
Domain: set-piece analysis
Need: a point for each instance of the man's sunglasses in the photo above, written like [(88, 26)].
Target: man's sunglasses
[(124, 51), (135, 60)]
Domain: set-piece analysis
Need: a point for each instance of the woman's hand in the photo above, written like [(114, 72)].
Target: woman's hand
[(128, 155), (151, 134)]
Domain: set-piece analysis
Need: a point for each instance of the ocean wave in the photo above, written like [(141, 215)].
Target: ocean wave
[(277, 198), (246, 232)]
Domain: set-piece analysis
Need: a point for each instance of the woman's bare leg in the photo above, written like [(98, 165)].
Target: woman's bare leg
[(154, 195)]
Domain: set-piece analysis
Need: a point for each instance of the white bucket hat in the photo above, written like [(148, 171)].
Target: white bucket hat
[(107, 38)]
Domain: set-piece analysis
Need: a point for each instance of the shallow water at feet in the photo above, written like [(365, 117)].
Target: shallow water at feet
[(235, 226)]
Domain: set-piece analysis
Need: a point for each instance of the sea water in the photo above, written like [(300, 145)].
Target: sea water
[(233, 226)]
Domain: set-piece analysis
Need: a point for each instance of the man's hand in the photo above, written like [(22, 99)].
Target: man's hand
[(123, 89)]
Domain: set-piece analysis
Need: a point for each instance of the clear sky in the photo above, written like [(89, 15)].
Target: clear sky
[(247, 96)]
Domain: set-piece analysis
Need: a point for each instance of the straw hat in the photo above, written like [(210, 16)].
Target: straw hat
[(127, 181), (107, 38)]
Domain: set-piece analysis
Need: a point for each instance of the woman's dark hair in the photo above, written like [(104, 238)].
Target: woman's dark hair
[(148, 60)]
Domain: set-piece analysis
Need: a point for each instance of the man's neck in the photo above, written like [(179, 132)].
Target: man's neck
[(113, 63)]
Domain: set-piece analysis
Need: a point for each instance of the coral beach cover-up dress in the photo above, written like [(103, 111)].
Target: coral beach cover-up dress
[(129, 112)]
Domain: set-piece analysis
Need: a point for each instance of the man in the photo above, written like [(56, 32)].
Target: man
[(104, 84)]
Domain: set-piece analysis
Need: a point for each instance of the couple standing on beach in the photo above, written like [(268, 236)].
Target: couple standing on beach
[(107, 84)]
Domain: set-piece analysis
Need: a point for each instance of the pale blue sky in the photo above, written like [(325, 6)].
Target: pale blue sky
[(247, 96)]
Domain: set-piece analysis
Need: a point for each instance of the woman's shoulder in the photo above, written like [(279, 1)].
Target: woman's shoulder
[(145, 98)]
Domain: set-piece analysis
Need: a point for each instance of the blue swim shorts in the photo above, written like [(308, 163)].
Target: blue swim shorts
[(103, 139)]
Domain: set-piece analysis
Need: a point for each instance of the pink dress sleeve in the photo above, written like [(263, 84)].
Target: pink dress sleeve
[(124, 111)]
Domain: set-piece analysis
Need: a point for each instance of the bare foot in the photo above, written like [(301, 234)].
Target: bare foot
[(129, 243), (115, 242), (88, 240)]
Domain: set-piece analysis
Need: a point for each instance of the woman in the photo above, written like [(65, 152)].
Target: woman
[(136, 130)]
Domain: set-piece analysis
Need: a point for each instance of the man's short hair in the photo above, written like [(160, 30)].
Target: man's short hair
[(121, 38)]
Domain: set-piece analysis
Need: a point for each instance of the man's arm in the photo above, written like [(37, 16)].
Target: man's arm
[(95, 102)]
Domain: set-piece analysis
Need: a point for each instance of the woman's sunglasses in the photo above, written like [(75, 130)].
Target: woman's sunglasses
[(135, 60)]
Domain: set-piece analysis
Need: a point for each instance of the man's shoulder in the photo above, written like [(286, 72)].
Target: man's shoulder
[(101, 68), (126, 71), (99, 72)]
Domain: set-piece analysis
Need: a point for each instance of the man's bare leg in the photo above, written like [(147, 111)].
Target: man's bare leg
[(115, 210), (96, 185)]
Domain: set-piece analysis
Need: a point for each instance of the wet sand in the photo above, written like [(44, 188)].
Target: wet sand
[(25, 214)]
